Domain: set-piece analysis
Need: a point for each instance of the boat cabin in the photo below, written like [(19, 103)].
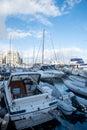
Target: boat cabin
[(24, 85)]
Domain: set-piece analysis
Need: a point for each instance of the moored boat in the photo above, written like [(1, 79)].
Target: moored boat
[(82, 91), (64, 103), (26, 104)]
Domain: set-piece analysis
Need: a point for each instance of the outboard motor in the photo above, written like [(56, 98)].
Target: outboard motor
[(75, 103)]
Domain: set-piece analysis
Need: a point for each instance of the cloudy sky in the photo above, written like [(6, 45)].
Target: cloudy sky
[(65, 23)]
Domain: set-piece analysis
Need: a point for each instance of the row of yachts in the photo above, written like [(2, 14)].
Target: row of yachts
[(26, 101)]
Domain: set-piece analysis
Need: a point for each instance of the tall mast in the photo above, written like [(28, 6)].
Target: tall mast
[(10, 53), (33, 55), (43, 47)]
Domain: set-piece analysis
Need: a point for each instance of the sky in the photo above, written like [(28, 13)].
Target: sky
[(64, 23)]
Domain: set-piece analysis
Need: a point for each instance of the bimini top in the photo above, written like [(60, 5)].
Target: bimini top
[(34, 76)]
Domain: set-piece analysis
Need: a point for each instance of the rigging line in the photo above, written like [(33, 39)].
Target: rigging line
[(43, 47), (53, 47), (34, 55), (37, 54)]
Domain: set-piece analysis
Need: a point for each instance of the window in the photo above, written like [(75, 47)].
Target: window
[(16, 91)]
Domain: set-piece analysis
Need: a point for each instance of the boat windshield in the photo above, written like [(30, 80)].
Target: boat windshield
[(33, 77)]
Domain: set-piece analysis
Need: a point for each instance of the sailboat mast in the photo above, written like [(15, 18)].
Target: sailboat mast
[(33, 55), (10, 53), (43, 47)]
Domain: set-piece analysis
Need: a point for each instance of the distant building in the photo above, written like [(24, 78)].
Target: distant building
[(13, 58), (1, 58)]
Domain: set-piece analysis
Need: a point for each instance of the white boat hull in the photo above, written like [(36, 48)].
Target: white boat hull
[(75, 88), (35, 119)]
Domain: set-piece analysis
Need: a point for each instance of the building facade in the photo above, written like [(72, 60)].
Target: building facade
[(13, 58)]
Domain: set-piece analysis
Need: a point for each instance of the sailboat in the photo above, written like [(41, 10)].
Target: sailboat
[(48, 71)]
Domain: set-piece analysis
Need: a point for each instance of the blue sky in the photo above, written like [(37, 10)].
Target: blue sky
[(64, 21)]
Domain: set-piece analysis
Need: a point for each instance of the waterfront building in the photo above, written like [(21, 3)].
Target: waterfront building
[(1, 58), (13, 58)]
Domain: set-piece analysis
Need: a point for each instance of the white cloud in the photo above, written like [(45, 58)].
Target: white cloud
[(73, 2), (4, 47), (36, 8), (39, 10), (43, 20), (18, 34), (72, 52), (3, 31), (69, 4), (14, 34), (63, 55), (32, 7)]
